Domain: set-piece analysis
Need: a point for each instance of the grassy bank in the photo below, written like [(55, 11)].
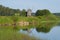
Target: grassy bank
[(34, 21), (11, 19), (10, 34)]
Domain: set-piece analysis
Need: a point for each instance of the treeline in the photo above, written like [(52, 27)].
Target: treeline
[(6, 11), (57, 14)]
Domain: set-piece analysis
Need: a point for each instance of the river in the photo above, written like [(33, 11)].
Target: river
[(51, 33)]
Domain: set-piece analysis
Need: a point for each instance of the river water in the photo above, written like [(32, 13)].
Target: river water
[(48, 33)]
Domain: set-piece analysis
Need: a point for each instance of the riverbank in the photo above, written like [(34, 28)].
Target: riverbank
[(10, 25), (10, 34), (18, 20)]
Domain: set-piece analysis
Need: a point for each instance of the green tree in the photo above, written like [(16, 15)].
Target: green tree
[(23, 12), (42, 12), (46, 12), (39, 13), (6, 11)]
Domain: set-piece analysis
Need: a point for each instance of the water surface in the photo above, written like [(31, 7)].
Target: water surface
[(45, 32)]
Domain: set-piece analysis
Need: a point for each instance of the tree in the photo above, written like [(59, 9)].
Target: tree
[(6, 11), (42, 12), (23, 12), (39, 13), (46, 12)]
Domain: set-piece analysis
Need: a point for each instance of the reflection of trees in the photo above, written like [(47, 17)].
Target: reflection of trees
[(45, 27), (59, 24), (42, 29), (25, 29)]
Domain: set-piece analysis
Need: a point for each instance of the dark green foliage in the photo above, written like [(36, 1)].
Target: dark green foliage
[(57, 14), (46, 26), (23, 12), (46, 12), (38, 13), (5, 11), (42, 12)]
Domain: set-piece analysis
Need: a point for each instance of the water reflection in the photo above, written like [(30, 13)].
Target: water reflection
[(46, 27), (43, 27), (46, 31)]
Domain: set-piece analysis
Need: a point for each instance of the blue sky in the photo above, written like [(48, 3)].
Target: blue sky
[(52, 5)]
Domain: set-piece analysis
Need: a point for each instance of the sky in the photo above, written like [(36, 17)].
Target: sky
[(52, 5)]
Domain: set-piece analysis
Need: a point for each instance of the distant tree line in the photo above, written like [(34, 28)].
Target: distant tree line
[(6, 11), (57, 14)]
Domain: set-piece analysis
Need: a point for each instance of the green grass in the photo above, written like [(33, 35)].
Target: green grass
[(10, 34), (5, 19), (48, 18), (10, 19), (32, 20)]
